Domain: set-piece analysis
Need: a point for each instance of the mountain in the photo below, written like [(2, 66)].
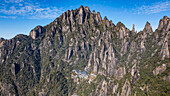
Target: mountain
[(81, 53)]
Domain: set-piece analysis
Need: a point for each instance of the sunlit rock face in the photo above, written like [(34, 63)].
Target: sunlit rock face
[(118, 61)]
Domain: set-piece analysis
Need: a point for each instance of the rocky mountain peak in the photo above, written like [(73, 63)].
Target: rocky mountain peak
[(94, 12), (87, 8), (98, 18), (36, 32), (112, 24), (148, 28), (164, 23), (98, 13), (93, 56), (106, 21), (81, 15), (119, 25), (121, 30), (105, 18), (81, 6), (133, 28)]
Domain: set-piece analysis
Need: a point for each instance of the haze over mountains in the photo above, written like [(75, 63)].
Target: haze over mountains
[(81, 53)]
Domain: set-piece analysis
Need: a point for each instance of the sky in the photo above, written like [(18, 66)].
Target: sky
[(21, 16)]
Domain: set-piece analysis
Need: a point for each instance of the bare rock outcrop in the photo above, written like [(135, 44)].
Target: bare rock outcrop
[(98, 18), (81, 15), (119, 73), (164, 24), (165, 50), (122, 31), (159, 69), (147, 31), (133, 28), (167, 78), (148, 28), (126, 89), (115, 89), (134, 73), (103, 90), (36, 32), (113, 57)]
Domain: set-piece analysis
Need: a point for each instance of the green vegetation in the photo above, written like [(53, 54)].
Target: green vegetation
[(43, 66)]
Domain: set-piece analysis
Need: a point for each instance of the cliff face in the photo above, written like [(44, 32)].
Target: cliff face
[(124, 62)]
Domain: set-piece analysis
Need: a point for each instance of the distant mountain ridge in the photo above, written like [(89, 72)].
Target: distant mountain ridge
[(119, 61)]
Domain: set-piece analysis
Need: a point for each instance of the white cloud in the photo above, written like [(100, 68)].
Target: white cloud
[(49, 12), (29, 10), (12, 17), (20, 4), (13, 1), (153, 8)]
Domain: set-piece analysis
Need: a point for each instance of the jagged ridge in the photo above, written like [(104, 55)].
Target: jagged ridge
[(80, 40)]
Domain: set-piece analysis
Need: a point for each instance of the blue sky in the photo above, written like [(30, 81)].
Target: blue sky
[(20, 16)]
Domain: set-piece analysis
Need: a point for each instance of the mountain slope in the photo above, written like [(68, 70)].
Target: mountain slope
[(121, 61)]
